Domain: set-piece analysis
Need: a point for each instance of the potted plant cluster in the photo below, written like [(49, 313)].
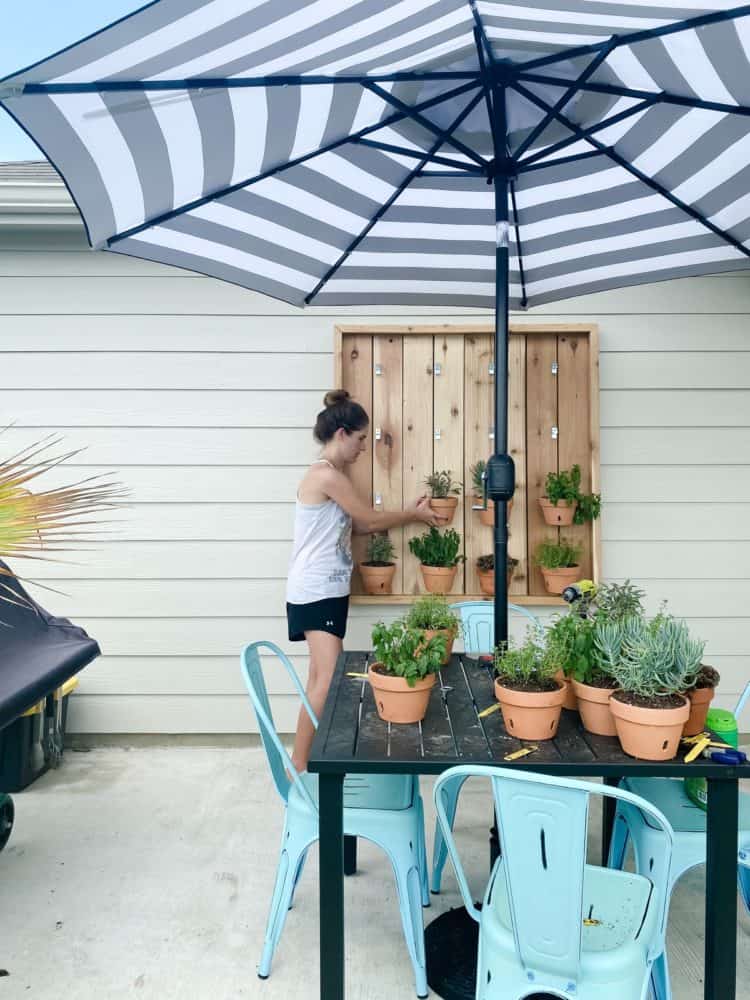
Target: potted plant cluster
[(433, 615), (654, 663), (531, 696), (486, 514), (439, 556), (559, 563), (486, 573), (444, 494), (378, 569), (563, 503), (404, 670)]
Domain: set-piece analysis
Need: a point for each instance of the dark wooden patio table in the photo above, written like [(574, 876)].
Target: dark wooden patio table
[(352, 739)]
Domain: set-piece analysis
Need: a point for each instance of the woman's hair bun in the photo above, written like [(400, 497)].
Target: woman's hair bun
[(335, 396)]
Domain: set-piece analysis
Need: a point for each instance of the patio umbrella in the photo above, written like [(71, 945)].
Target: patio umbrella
[(420, 152)]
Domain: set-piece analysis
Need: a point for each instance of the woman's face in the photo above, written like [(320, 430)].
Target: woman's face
[(354, 444)]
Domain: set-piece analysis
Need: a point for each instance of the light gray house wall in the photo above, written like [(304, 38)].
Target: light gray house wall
[(200, 397)]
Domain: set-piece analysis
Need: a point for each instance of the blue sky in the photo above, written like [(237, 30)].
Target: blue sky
[(33, 29)]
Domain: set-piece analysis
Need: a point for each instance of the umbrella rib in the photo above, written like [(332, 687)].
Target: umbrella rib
[(644, 178), (599, 127), (702, 20), (524, 169), (426, 123), (222, 192), (396, 194), (519, 247), (560, 103), (661, 97), (388, 147)]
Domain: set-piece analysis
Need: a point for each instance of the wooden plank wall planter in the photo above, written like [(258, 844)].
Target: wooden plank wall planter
[(429, 392)]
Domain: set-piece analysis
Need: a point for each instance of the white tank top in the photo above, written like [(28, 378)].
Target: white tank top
[(321, 563)]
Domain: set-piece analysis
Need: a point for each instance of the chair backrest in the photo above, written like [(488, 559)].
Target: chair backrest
[(478, 623), (741, 702), (542, 824), (278, 759)]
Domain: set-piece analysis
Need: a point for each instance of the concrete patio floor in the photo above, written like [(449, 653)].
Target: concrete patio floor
[(146, 872)]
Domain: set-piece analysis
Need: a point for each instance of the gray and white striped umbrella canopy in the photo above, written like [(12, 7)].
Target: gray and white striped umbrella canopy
[(330, 154)]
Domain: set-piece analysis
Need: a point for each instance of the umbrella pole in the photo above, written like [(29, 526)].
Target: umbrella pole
[(501, 463)]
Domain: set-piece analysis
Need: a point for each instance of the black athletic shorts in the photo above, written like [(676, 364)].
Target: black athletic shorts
[(328, 615)]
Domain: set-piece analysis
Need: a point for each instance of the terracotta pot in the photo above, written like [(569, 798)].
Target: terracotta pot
[(556, 580), (571, 702), (438, 579), (377, 579), (530, 715), (649, 733), (450, 637), (559, 514), (700, 700), (487, 580), (395, 700), (593, 704), (446, 507), (488, 516)]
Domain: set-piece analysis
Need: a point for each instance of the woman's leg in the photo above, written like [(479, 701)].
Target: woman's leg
[(324, 651)]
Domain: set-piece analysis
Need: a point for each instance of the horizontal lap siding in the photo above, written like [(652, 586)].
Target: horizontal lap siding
[(200, 396)]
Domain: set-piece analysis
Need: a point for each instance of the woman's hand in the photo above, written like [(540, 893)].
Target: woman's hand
[(422, 511)]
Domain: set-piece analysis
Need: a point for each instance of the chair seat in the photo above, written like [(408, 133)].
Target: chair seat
[(669, 796), (617, 901), (392, 792)]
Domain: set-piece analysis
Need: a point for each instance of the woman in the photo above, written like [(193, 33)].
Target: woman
[(328, 510)]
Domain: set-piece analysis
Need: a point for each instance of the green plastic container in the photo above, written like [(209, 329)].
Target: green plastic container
[(724, 725)]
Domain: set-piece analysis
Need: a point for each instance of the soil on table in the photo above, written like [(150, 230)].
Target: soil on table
[(707, 678), (649, 701), (535, 686)]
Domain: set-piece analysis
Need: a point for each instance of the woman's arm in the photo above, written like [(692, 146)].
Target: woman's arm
[(365, 520)]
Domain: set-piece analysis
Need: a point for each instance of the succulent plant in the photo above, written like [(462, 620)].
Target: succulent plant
[(442, 485)]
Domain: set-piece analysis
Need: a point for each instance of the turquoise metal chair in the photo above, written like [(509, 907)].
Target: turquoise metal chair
[(549, 922), (633, 826), (478, 627), (385, 809)]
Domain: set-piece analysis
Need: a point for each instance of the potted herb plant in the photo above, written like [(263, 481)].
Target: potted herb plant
[(486, 573), (378, 569), (444, 494), (559, 563), (438, 554), (592, 683), (486, 514), (568, 642), (563, 503), (700, 696), (530, 696), (433, 615), (404, 670), (653, 662)]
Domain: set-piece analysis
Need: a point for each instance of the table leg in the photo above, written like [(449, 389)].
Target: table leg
[(721, 890), (350, 855), (609, 806), (331, 803)]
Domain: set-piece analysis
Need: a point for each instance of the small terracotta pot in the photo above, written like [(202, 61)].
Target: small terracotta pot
[(559, 514), (593, 704), (395, 700), (530, 715), (450, 638), (556, 580), (377, 579), (488, 516), (649, 733), (571, 702), (700, 700), (438, 579), (487, 579), (446, 507)]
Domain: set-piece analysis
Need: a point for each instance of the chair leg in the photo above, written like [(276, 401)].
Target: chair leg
[(660, 978), (290, 865), (297, 876), (409, 885), (440, 851), (618, 845), (743, 880), (423, 871)]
